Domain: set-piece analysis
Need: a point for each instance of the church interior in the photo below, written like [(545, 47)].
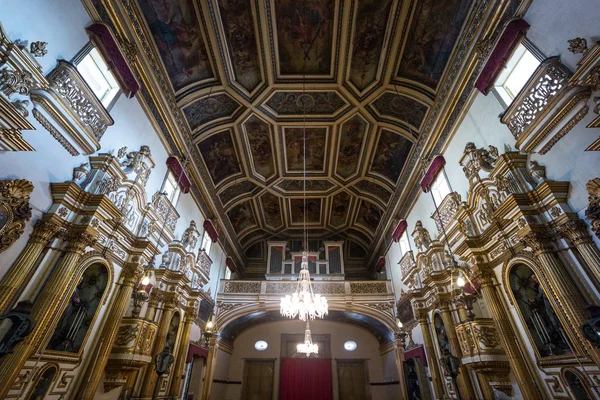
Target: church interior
[(299, 199)]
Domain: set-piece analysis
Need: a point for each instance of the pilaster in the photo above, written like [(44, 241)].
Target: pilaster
[(190, 315), (432, 361)]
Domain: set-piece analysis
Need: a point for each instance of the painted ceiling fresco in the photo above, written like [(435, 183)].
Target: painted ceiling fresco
[(254, 80)]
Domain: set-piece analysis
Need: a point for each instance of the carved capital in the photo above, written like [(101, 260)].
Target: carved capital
[(170, 299), (131, 273), (13, 81), (575, 231), (78, 241), (539, 241), (190, 313), (44, 231)]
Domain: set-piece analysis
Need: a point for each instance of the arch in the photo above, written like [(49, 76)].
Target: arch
[(539, 319), (44, 378), (81, 310), (235, 327), (577, 383), (173, 331)]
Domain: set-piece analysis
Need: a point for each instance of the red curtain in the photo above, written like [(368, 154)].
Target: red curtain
[(305, 379)]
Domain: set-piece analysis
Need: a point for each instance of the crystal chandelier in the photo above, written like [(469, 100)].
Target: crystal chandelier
[(304, 302), (308, 347)]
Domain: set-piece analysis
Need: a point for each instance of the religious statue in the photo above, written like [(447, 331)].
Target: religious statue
[(421, 236)]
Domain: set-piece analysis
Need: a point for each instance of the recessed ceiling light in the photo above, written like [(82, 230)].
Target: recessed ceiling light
[(262, 345), (350, 345)]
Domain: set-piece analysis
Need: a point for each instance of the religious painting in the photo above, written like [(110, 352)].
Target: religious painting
[(390, 155), (316, 144), (352, 134), (310, 103), (539, 316), (406, 312), (78, 316), (259, 139), (271, 209), (433, 32), (219, 156), (402, 108), (340, 205), (176, 30), (172, 332), (312, 210), (206, 308), (238, 24), (304, 36), (241, 216), (441, 334), (210, 108), (369, 215), (367, 42), (372, 188)]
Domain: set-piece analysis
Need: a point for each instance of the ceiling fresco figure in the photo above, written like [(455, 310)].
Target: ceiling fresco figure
[(369, 32), (174, 25), (238, 24), (259, 139), (390, 155), (316, 140), (220, 156), (431, 39), (351, 143), (305, 34)]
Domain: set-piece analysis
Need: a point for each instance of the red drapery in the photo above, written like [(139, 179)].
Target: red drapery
[(305, 378)]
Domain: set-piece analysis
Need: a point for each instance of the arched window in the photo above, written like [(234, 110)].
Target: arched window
[(79, 314), (43, 384), (579, 389), (538, 315), (172, 333), (441, 334)]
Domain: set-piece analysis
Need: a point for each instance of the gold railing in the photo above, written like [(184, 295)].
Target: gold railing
[(135, 337)]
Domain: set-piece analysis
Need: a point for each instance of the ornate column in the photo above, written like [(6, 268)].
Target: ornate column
[(190, 314), (464, 379), (130, 275), (434, 365), (565, 293), (153, 301), (211, 359), (56, 292), (576, 232), (43, 231), (506, 334), (400, 336), (150, 376)]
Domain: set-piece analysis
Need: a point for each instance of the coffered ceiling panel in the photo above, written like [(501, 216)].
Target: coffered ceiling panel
[(250, 81)]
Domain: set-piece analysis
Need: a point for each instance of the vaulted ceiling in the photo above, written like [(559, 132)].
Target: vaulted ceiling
[(250, 78)]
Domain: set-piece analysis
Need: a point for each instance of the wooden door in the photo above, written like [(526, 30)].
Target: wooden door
[(258, 380), (353, 382)]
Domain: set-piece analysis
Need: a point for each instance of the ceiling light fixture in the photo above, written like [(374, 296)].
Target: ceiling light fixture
[(304, 302), (308, 347)]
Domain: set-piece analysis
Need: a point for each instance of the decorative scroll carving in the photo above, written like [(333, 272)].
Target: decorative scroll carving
[(241, 287), (126, 334), (137, 162), (15, 210), (546, 107), (67, 82), (38, 49), (577, 45), (165, 210), (407, 263), (592, 213), (20, 82), (475, 160), (446, 211), (368, 287)]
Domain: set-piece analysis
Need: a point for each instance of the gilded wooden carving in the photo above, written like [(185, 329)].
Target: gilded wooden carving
[(15, 210)]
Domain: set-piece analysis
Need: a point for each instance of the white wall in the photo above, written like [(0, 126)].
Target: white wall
[(380, 368)]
